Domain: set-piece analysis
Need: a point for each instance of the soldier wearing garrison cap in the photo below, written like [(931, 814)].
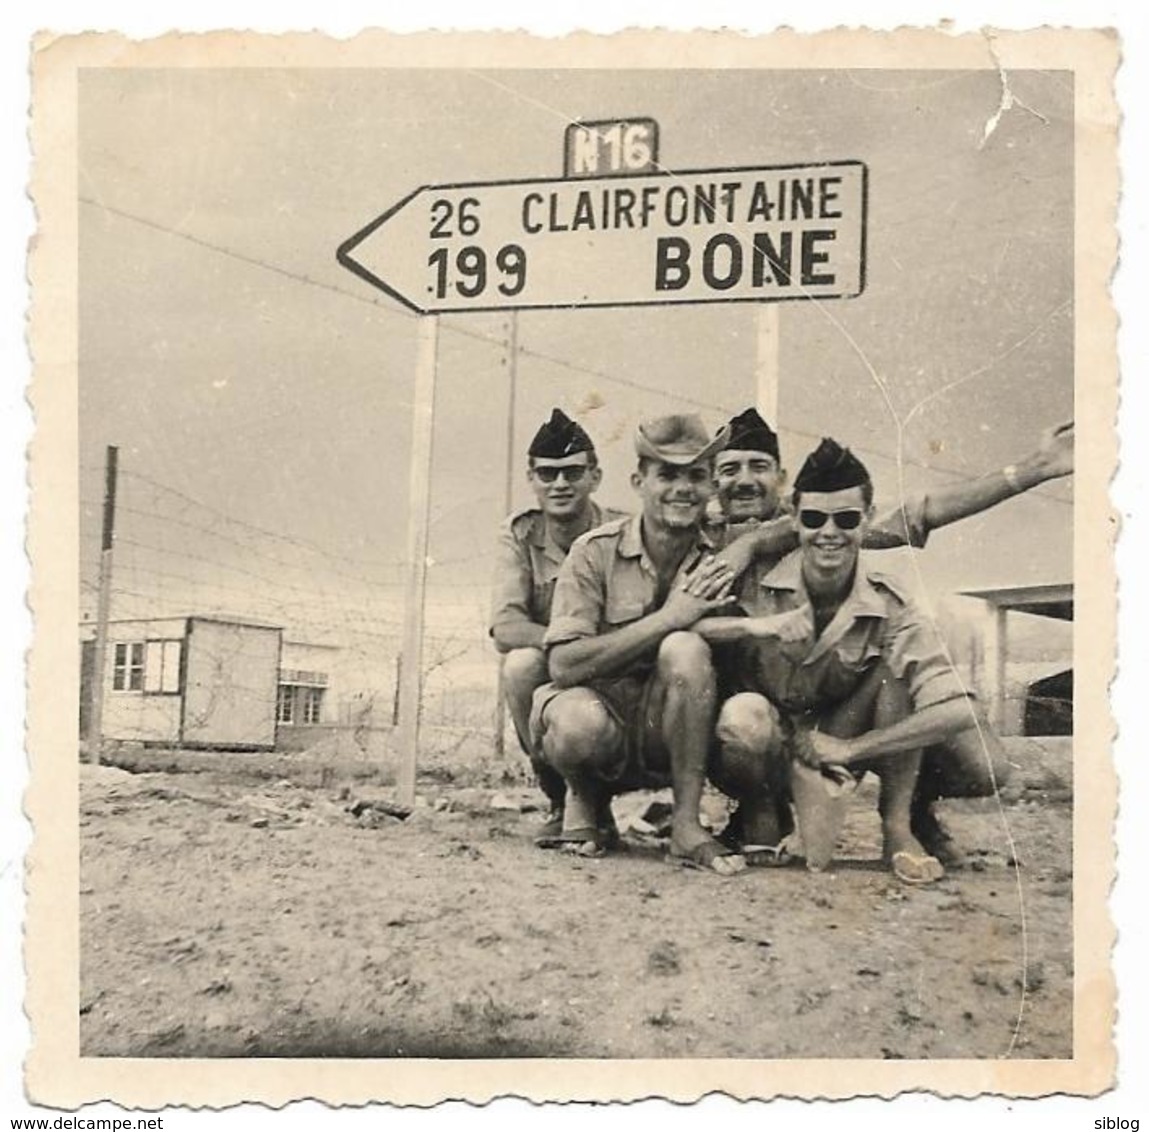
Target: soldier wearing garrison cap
[(632, 698), (563, 472), (750, 482), (844, 675)]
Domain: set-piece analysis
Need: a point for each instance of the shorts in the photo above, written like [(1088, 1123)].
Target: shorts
[(628, 701)]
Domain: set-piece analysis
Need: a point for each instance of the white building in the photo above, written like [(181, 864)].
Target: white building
[(207, 682)]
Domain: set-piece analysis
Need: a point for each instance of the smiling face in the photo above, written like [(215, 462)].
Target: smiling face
[(749, 484), (674, 496), (831, 526), (563, 486)]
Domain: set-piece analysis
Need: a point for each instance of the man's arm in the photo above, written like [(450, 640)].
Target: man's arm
[(518, 634), (771, 539), (922, 729), (939, 507), (793, 625), (511, 624), (593, 657)]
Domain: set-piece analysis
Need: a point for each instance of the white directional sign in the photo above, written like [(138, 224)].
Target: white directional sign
[(768, 233)]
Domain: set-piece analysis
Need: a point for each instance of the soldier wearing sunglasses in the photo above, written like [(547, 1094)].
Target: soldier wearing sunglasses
[(563, 472), (842, 675), (750, 482)]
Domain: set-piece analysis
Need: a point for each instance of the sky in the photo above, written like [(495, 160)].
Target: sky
[(1129, 289), (232, 360)]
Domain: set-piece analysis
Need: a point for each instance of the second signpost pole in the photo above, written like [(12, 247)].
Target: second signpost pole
[(418, 522)]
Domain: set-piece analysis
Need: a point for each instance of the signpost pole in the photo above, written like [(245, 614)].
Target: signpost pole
[(766, 362), (508, 490), (418, 521)]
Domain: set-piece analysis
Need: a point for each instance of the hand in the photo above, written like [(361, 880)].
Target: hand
[(830, 753), (706, 589), (793, 625), (1055, 452), (710, 578)]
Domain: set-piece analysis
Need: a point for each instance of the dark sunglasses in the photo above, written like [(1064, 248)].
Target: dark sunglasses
[(845, 520), (571, 474)]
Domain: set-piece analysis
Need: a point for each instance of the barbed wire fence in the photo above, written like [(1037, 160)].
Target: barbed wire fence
[(340, 622), (177, 556)]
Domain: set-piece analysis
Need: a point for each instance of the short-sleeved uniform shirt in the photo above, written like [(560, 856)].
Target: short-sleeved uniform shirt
[(527, 566), (609, 581), (876, 623)]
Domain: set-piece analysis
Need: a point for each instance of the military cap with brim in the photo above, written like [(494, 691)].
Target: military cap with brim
[(559, 437), (677, 439), (830, 467)]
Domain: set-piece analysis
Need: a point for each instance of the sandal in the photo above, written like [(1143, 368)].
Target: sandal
[(916, 868), (709, 856)]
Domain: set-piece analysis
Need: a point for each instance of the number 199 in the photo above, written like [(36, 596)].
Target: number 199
[(470, 269)]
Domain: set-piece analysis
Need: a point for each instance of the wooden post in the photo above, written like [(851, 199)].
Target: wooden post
[(418, 521), (766, 362), (508, 493), (996, 653), (103, 605)]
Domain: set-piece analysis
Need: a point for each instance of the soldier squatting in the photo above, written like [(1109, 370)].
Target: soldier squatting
[(731, 632)]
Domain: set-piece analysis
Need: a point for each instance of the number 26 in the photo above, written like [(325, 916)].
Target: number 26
[(441, 212)]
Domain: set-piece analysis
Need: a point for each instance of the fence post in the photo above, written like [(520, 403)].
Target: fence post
[(103, 606)]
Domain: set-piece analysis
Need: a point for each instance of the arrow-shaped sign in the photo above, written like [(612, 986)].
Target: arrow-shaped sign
[(766, 233)]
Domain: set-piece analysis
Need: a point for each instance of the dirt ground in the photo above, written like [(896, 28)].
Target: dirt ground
[(233, 906)]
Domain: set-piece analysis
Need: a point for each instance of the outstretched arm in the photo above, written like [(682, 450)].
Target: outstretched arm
[(923, 728), (1052, 459)]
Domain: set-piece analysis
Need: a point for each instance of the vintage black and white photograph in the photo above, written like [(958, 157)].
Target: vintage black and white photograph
[(578, 559)]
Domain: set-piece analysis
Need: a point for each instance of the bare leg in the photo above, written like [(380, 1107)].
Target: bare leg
[(525, 670), (683, 701), (582, 742), (879, 701), (751, 766), (971, 764)]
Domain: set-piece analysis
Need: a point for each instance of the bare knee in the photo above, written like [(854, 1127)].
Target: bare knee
[(684, 661), (578, 732), (524, 670), (748, 722), (970, 764), (749, 735)]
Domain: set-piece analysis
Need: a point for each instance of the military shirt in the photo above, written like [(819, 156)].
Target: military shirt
[(877, 622), (609, 581), (527, 565)]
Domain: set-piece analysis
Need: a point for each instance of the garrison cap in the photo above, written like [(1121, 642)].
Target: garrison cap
[(749, 432), (830, 467), (558, 437), (677, 439)]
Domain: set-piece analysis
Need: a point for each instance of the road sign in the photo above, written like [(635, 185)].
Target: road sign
[(611, 148), (768, 233)]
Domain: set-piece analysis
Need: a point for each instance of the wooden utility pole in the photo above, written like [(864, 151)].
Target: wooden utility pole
[(766, 362), (418, 522), (508, 495), (103, 605)]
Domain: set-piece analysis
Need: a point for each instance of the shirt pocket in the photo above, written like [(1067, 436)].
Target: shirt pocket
[(855, 654), (542, 597)]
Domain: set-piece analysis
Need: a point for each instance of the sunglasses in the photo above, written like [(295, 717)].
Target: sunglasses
[(572, 474), (845, 520)]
